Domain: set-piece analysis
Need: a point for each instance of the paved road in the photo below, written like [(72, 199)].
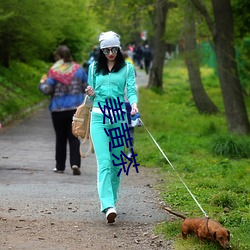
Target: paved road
[(26, 163), (29, 189)]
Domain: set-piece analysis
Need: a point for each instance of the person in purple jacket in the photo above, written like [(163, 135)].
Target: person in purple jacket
[(65, 83)]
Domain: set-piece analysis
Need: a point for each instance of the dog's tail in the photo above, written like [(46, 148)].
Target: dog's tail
[(175, 213)]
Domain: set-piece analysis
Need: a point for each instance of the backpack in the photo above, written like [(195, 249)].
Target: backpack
[(81, 126)]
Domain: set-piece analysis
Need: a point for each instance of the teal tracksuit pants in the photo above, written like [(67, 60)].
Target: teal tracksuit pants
[(107, 180)]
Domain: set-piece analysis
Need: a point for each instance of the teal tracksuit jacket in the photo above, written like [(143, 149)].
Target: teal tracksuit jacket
[(109, 87)]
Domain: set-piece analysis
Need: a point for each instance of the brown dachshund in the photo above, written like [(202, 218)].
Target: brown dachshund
[(204, 229)]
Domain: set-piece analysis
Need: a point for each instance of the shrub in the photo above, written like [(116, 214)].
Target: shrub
[(231, 146), (223, 200)]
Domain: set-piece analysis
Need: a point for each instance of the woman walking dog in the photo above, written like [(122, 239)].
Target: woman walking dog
[(108, 78)]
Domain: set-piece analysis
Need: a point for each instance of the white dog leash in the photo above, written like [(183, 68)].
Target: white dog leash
[(174, 170)]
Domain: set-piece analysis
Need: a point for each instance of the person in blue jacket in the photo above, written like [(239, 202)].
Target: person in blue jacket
[(108, 77), (65, 83)]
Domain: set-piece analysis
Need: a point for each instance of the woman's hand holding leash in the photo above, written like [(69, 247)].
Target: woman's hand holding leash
[(134, 109), (90, 91)]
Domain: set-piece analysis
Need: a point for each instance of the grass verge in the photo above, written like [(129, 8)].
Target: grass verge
[(214, 164), (19, 89)]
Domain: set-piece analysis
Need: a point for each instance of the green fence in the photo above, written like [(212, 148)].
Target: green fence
[(208, 58)]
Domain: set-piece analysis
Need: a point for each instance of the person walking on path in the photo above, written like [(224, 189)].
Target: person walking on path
[(108, 77), (65, 84), (147, 54)]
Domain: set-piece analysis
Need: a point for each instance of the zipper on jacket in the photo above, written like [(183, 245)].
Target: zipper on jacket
[(109, 84)]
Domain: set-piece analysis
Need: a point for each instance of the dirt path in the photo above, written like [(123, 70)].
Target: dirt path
[(43, 210)]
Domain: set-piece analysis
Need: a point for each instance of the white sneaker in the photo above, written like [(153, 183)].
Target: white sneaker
[(111, 214), (129, 155), (58, 171)]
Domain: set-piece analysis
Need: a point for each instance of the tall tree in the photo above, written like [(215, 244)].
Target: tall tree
[(159, 46), (223, 38), (201, 99)]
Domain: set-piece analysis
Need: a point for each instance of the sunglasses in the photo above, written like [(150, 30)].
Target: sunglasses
[(106, 51)]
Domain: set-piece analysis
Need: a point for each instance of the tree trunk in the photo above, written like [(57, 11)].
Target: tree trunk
[(159, 47), (235, 109), (201, 99), (223, 38)]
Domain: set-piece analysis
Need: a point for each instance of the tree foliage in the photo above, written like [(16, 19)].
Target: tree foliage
[(28, 33), (241, 18), (242, 35), (126, 17)]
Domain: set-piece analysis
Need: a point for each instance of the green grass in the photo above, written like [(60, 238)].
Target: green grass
[(19, 88), (214, 164)]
